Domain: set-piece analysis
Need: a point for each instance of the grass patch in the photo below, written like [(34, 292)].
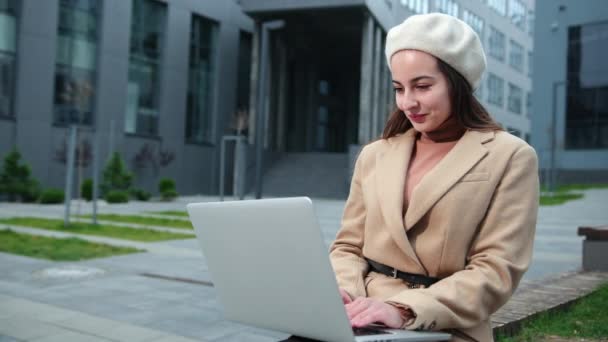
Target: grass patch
[(586, 319), (126, 233), (559, 198), (576, 187), (152, 221), (170, 213), (70, 249)]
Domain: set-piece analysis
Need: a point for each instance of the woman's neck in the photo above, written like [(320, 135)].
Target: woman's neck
[(449, 130)]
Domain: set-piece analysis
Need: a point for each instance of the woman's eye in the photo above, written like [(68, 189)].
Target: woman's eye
[(397, 90), (423, 86)]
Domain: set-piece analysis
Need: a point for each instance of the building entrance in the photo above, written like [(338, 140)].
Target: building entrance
[(313, 103)]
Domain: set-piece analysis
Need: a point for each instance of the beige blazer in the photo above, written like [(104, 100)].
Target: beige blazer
[(470, 221)]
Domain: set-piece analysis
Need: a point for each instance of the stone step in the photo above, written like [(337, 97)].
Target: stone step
[(308, 174)]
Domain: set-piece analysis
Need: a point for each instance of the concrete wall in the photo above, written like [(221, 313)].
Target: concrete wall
[(195, 167), (550, 67)]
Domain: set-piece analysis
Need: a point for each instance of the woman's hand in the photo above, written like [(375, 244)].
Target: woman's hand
[(346, 298), (363, 311)]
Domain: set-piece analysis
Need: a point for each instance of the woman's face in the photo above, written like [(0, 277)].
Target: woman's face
[(421, 90)]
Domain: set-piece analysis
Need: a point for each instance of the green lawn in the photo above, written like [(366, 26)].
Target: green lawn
[(126, 233), (586, 319), (70, 249), (143, 220), (559, 198), (170, 213), (577, 187), (567, 192)]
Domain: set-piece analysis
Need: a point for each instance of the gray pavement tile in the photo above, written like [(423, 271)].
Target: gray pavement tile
[(4, 338), (130, 333), (26, 329), (174, 338), (249, 337), (20, 308), (216, 330), (109, 329), (70, 336)]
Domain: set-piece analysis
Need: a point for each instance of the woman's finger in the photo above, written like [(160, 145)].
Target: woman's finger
[(356, 307), (346, 298)]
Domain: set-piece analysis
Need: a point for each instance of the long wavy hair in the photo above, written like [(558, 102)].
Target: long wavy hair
[(469, 112)]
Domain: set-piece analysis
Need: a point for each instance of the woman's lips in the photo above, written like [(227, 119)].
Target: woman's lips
[(418, 118)]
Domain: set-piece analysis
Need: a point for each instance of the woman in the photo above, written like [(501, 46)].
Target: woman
[(439, 223)]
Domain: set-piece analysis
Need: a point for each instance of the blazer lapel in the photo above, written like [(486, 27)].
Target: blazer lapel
[(390, 181), (465, 154)]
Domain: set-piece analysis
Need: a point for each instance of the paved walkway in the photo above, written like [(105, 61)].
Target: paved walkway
[(145, 296)]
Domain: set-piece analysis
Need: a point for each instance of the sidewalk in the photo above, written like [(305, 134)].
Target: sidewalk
[(146, 295)]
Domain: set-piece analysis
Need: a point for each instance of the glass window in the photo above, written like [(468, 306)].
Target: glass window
[(497, 44), (479, 91), (241, 117), (496, 87), (587, 87), (8, 50), (530, 63), (516, 132), (447, 6), (516, 56), (531, 23), (514, 102), (76, 59), (148, 23), (528, 103), (474, 21), (416, 6), (500, 6), (203, 46), (517, 13)]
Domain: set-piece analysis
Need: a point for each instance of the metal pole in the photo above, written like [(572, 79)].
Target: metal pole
[(69, 174), (95, 175), (552, 173), (261, 103), (236, 169), (222, 167), (242, 165)]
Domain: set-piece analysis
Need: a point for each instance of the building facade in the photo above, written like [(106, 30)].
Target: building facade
[(156, 81), (571, 90), (162, 81)]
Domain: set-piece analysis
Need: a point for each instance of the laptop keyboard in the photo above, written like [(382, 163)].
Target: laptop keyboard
[(369, 331)]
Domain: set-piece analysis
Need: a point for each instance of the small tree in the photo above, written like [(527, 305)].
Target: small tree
[(166, 186), (116, 176), (15, 179)]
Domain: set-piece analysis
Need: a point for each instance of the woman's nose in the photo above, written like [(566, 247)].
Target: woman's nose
[(407, 102)]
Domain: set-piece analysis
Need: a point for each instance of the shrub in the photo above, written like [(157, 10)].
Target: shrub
[(115, 175), (117, 196), (168, 195), (86, 189), (52, 196), (15, 179), (32, 193), (166, 186), (140, 195)]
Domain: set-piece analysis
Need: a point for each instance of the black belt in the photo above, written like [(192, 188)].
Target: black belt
[(414, 279)]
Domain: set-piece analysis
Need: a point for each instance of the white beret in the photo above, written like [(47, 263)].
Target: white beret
[(443, 36)]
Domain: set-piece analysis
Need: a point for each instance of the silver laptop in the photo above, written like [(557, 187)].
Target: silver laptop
[(271, 270)]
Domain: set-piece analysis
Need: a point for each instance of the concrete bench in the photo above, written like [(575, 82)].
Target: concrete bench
[(595, 248)]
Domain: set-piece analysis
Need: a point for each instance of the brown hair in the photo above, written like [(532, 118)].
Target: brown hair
[(469, 112)]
